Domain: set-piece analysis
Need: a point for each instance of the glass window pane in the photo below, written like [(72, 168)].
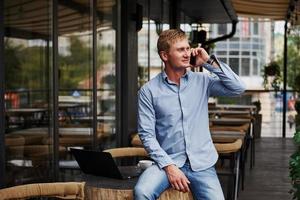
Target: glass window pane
[(255, 67), (106, 74), (149, 62), (222, 29), (256, 40), (143, 54), (221, 45), (221, 52), (255, 28), (233, 53), (234, 45), (224, 60), (255, 46), (154, 60), (245, 68), (246, 46), (143, 42), (234, 39), (246, 39), (27, 48), (234, 64), (75, 79)]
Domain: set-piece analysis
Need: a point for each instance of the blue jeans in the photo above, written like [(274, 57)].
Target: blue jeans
[(204, 185)]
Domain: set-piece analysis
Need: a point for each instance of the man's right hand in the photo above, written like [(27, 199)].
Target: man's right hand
[(177, 178)]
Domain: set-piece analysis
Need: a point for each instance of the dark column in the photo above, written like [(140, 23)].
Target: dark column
[(55, 93), (174, 13), (127, 72), (284, 81), (2, 117), (94, 56)]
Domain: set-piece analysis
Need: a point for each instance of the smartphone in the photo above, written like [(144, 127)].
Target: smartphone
[(193, 60)]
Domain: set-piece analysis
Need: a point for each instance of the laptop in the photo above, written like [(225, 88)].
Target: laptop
[(100, 163)]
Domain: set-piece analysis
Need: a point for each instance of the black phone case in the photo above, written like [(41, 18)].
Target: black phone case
[(193, 60)]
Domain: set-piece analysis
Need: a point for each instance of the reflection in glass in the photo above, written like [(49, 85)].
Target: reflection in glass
[(106, 74), (155, 61), (27, 89), (75, 84), (143, 71), (149, 63)]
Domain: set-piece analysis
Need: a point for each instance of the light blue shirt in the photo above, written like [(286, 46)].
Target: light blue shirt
[(173, 120)]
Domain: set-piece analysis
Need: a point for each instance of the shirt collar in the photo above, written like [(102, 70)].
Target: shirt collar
[(165, 76)]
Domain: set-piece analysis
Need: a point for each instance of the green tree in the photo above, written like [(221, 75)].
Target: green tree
[(74, 67), (12, 65), (293, 60), (25, 67), (77, 65)]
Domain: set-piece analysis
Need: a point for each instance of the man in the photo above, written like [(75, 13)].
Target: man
[(173, 121)]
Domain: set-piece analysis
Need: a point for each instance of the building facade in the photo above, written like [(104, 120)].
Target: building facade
[(248, 50)]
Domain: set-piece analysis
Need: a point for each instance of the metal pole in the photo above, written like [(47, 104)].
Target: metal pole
[(94, 56), (284, 81), (148, 36), (2, 101), (55, 88), (174, 13)]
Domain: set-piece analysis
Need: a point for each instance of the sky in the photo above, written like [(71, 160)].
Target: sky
[(279, 27)]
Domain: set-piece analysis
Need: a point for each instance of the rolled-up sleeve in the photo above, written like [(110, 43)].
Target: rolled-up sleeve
[(146, 129), (227, 83)]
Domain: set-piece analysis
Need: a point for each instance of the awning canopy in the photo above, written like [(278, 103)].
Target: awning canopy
[(270, 9), (32, 18)]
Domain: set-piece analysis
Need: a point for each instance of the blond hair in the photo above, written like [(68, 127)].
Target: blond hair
[(169, 37)]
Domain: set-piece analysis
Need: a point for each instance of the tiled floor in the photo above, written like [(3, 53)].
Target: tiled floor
[(273, 126), (269, 180)]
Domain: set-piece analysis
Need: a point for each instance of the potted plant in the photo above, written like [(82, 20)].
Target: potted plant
[(294, 166), (297, 116), (296, 85), (272, 69), (258, 119)]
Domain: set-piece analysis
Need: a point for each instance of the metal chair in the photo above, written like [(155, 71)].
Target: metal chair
[(234, 149)]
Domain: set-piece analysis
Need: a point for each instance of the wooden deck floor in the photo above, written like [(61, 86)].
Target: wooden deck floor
[(269, 179)]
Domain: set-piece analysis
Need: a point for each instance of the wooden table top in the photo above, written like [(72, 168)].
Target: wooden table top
[(226, 136), (229, 121), (229, 112), (62, 131), (25, 110), (233, 106)]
